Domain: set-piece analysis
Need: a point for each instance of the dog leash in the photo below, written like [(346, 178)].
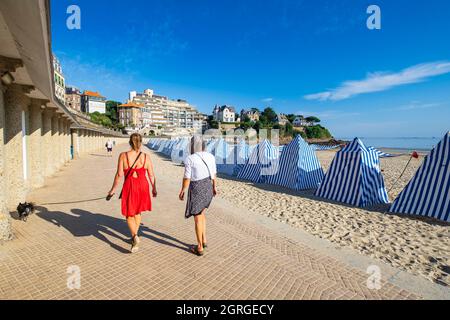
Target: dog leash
[(70, 202)]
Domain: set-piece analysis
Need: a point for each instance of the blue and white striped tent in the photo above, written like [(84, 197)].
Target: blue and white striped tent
[(224, 154), (163, 145), (382, 154), (220, 149), (158, 144), (154, 143), (242, 152), (428, 192), (210, 145), (263, 161), (168, 148), (180, 150), (319, 147), (299, 168), (151, 143), (354, 177)]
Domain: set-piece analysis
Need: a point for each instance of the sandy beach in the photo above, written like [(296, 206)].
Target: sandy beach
[(420, 246)]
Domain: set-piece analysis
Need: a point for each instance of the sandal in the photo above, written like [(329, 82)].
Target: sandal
[(134, 245), (205, 246), (194, 250)]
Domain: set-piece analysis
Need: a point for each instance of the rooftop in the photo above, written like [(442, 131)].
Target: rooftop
[(227, 107), (131, 105), (92, 94)]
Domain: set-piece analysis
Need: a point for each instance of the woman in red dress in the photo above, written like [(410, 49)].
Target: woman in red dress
[(137, 168)]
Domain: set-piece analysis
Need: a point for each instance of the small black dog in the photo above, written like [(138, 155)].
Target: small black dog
[(24, 210)]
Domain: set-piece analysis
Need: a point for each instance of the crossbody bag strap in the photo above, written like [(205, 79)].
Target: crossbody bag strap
[(209, 172)]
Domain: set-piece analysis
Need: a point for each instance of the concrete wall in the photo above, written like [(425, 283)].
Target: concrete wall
[(36, 142), (5, 221)]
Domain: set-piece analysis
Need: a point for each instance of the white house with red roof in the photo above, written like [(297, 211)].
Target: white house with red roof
[(93, 102)]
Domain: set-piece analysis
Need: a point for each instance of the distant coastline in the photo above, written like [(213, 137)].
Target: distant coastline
[(400, 144)]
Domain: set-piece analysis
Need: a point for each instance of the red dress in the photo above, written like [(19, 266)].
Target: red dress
[(135, 192)]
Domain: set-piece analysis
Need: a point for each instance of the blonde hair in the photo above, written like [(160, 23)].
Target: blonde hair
[(135, 141)]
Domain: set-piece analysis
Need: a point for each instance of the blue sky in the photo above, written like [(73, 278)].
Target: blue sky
[(311, 57)]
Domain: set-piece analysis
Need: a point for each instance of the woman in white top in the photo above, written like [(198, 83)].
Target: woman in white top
[(200, 177)]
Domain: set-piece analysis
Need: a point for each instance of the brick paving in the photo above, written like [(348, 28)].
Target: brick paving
[(244, 260)]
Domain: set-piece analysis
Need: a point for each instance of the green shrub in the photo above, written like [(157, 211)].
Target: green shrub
[(317, 132)]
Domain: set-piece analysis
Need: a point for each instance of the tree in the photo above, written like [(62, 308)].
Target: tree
[(312, 119), (301, 133), (101, 119), (291, 117), (214, 124), (270, 115), (317, 132), (111, 110), (288, 130), (263, 120), (246, 125), (258, 125)]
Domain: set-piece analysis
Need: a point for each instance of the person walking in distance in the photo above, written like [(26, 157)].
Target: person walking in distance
[(137, 169), (200, 177), (109, 147)]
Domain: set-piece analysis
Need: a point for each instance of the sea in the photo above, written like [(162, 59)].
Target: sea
[(399, 143)]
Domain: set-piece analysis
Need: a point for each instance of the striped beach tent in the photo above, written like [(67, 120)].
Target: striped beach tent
[(262, 162), (221, 150), (241, 152), (157, 144), (168, 149), (319, 147), (154, 143), (299, 168), (180, 150), (428, 192), (224, 154), (210, 145), (354, 177), (382, 154), (163, 144)]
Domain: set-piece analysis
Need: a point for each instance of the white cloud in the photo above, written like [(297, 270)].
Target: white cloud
[(417, 105), (381, 81), (329, 114), (267, 100)]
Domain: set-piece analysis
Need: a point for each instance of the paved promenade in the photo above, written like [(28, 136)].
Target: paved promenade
[(244, 260)]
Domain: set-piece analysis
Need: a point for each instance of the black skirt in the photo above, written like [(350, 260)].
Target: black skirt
[(199, 197)]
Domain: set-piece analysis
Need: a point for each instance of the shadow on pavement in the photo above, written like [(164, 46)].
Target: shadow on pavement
[(82, 223)]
